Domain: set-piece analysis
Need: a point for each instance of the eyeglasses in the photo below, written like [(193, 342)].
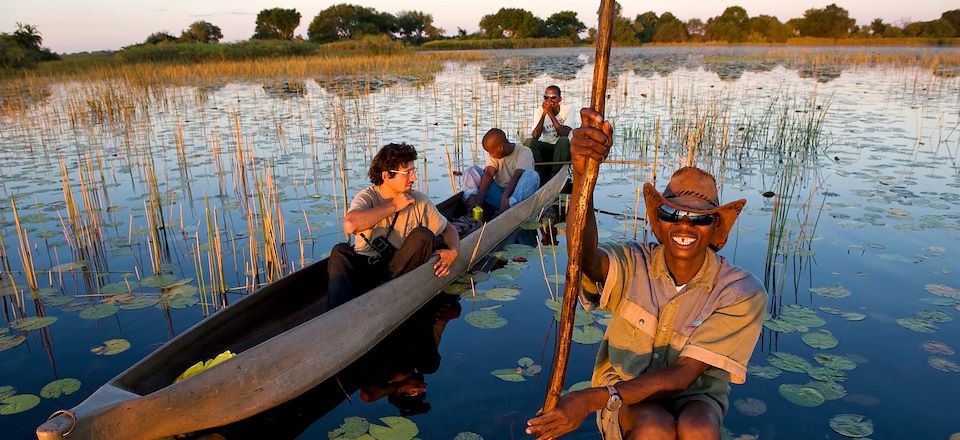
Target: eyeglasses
[(671, 215), (551, 97), (405, 172)]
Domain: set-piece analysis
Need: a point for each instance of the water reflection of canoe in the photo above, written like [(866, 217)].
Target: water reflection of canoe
[(286, 346)]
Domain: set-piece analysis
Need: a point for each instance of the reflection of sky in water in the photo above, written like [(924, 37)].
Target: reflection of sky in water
[(880, 184)]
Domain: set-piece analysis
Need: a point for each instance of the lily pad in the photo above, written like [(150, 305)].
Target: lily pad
[(934, 315), (801, 395), (827, 374), (9, 341), (503, 293), (829, 390), (945, 365), (398, 428), (140, 302), (940, 301), (33, 323), (917, 325), (506, 274), (937, 347), (509, 374), (7, 391), (831, 292), (457, 289), (821, 339), (582, 385), (789, 362), (587, 335), (111, 347), (851, 425), (942, 290), (783, 326), (158, 281), (351, 428), (468, 436), (60, 387), (764, 371), (485, 319), (834, 361), (853, 316), (800, 315), (118, 287), (750, 406), (99, 311), (18, 403)]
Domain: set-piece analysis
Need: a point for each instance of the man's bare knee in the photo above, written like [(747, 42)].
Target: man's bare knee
[(698, 421), (650, 421)]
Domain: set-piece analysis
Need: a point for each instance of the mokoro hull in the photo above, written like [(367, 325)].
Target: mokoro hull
[(287, 345)]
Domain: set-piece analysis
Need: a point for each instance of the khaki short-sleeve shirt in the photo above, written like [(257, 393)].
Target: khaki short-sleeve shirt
[(715, 318), (422, 212)]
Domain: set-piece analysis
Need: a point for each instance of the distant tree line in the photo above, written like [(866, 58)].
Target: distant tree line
[(346, 21), (23, 48)]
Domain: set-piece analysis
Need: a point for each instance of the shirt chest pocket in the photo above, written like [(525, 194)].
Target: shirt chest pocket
[(639, 318)]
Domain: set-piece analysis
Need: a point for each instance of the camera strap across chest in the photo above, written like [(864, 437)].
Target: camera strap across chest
[(389, 230)]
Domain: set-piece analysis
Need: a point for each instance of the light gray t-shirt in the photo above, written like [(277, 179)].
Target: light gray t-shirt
[(421, 212), (520, 159), (549, 134)]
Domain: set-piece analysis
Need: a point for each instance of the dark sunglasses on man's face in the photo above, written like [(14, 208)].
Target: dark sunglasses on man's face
[(551, 97), (671, 215)]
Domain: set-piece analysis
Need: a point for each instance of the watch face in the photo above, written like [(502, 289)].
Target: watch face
[(615, 401)]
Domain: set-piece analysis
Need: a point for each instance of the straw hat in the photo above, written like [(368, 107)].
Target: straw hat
[(694, 190)]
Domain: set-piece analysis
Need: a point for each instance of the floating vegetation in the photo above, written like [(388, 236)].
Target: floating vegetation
[(60, 387), (937, 347), (111, 347), (827, 374), (764, 371), (467, 435), (801, 395), (834, 361), (829, 390), (9, 341), (486, 318), (851, 425), (942, 290), (789, 362), (503, 293), (821, 339), (582, 385), (587, 335), (99, 311), (33, 323), (18, 403), (917, 325), (831, 292), (526, 368), (943, 364)]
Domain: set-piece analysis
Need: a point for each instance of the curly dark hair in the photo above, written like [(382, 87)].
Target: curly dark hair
[(390, 157)]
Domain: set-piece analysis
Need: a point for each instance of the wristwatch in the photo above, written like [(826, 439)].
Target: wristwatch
[(615, 401)]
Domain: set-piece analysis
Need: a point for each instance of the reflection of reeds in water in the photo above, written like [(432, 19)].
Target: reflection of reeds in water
[(26, 255)]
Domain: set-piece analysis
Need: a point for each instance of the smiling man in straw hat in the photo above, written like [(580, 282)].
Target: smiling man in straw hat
[(685, 320)]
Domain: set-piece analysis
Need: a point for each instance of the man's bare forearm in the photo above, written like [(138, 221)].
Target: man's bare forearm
[(362, 219)]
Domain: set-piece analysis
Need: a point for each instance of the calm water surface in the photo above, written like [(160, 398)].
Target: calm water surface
[(862, 159)]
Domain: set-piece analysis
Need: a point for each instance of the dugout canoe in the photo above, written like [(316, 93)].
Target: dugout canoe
[(284, 342)]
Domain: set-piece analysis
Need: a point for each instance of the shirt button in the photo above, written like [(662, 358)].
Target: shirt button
[(656, 355), (641, 322)]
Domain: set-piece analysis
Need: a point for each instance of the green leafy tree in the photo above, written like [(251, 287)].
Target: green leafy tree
[(160, 38), (892, 31), (766, 28), (345, 21), (696, 28), (276, 24), (830, 22), (201, 32), (23, 48), (938, 28), (417, 27), (670, 29), (730, 26), (953, 17), (28, 36), (564, 24), (645, 25), (877, 26), (510, 23)]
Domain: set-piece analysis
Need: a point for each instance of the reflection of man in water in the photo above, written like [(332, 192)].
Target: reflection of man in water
[(551, 126), (413, 352)]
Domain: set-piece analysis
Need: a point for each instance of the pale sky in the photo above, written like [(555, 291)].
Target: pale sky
[(87, 25)]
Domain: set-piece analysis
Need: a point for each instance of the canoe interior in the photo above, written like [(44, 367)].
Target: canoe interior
[(253, 319)]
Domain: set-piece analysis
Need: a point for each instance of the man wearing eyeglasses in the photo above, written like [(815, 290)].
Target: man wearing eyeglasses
[(549, 140), (685, 320), (394, 227)]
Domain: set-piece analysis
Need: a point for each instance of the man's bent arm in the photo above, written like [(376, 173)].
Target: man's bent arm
[(485, 181), (562, 130), (508, 191), (358, 220), (538, 129)]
